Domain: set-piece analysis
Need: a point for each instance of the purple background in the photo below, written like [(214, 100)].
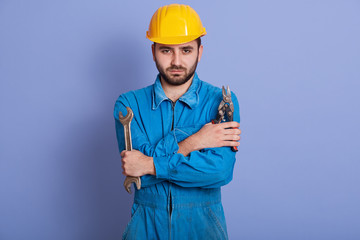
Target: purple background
[(294, 65)]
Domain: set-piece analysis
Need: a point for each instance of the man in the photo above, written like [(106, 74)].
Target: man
[(181, 157)]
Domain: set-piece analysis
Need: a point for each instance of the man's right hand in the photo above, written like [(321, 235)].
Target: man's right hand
[(224, 134)]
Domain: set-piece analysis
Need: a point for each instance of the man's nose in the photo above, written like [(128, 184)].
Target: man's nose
[(176, 58)]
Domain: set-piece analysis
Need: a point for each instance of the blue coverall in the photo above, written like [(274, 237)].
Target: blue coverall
[(183, 200)]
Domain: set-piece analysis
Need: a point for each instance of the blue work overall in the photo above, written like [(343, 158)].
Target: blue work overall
[(183, 200)]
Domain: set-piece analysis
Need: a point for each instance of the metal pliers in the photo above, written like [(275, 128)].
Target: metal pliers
[(226, 107)]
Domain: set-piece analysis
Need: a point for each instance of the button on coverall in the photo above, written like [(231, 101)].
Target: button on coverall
[(183, 200)]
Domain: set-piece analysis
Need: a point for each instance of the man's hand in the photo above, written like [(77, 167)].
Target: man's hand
[(212, 136), (218, 135), (136, 164)]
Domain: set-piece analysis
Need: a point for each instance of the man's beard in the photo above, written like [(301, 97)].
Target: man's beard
[(176, 81)]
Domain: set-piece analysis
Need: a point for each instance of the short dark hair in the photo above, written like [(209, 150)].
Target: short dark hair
[(198, 40)]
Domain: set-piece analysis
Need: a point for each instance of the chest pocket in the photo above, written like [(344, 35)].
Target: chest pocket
[(186, 131)]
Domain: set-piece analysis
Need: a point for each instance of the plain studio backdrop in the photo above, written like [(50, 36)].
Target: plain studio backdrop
[(294, 66)]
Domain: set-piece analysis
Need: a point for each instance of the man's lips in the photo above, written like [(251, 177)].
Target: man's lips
[(176, 71)]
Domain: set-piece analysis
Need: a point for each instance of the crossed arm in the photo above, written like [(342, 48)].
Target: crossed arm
[(137, 164), (203, 159)]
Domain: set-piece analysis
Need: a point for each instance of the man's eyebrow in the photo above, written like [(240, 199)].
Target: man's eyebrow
[(187, 47), (184, 47), (165, 47)]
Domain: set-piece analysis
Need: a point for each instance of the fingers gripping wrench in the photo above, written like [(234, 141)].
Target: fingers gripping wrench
[(126, 121)]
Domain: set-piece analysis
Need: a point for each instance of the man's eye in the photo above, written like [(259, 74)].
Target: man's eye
[(165, 51), (187, 51)]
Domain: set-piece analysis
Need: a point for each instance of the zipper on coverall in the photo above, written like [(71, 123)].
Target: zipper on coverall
[(170, 200)]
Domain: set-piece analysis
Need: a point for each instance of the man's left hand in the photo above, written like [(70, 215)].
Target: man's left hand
[(136, 164)]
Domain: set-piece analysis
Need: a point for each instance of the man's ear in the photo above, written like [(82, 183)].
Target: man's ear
[(200, 52), (153, 51)]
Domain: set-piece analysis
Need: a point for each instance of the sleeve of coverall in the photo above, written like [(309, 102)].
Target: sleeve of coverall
[(140, 141), (207, 168)]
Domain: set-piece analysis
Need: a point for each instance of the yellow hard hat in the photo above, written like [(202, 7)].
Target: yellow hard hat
[(175, 24)]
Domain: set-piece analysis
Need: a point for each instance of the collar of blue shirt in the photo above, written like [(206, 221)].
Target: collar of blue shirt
[(190, 98)]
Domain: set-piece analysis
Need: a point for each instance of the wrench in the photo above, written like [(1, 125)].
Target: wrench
[(125, 121)]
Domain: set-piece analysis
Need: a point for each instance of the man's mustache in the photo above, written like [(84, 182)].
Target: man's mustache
[(175, 68)]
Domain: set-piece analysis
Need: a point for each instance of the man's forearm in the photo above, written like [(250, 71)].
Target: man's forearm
[(211, 136), (188, 145)]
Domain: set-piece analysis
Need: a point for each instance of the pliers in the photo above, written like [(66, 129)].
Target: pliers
[(226, 107)]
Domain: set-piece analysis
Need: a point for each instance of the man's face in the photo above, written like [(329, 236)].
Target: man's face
[(177, 63)]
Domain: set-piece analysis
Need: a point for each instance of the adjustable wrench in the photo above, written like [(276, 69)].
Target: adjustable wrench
[(125, 121)]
